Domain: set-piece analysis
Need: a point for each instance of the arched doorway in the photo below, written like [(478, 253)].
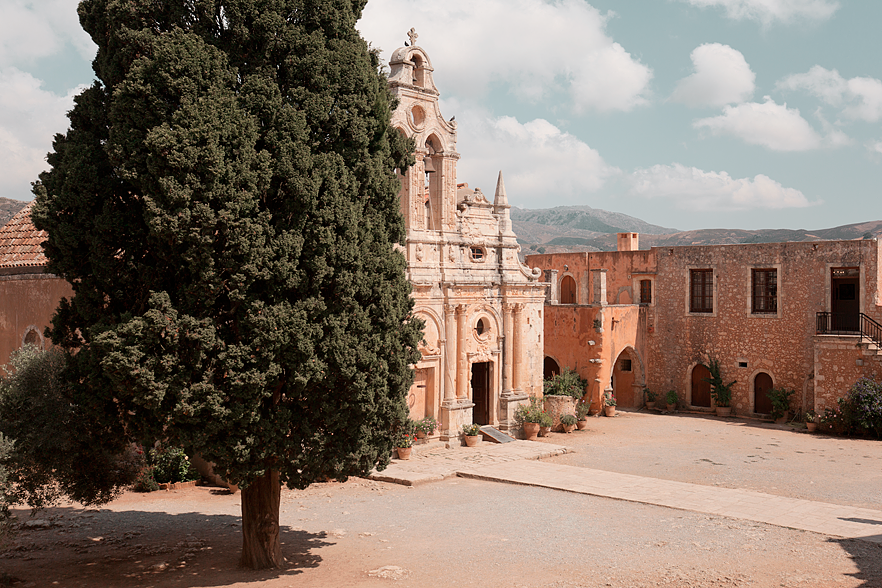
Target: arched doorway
[(568, 290), (762, 383), (627, 379), (551, 369), (700, 386)]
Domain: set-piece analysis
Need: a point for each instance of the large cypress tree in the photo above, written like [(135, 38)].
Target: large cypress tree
[(225, 208)]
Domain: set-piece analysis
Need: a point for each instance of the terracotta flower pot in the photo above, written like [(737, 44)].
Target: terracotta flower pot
[(530, 431), (609, 411), (471, 440), (420, 435), (404, 452), (650, 404), (543, 431), (568, 428), (724, 411), (582, 425), (672, 407), (811, 426)]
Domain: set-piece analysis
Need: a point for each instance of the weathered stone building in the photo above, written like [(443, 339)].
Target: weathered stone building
[(776, 315), (482, 352), (28, 295)]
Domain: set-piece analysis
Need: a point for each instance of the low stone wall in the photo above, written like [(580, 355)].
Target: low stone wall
[(558, 405)]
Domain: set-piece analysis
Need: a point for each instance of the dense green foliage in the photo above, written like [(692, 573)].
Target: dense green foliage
[(225, 208), (720, 391), (171, 464), (780, 399), (566, 383), (53, 447), (859, 412)]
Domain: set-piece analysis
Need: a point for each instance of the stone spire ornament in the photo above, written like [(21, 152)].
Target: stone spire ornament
[(501, 200), (413, 36)]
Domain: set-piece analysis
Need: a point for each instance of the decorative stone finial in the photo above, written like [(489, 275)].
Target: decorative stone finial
[(501, 199), (412, 35)]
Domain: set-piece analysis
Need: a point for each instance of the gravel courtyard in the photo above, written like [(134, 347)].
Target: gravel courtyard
[(466, 532)]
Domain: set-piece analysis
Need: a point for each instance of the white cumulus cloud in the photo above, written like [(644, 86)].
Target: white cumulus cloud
[(768, 11), (768, 124), (535, 47), (537, 159), (34, 30), (690, 188), (29, 119), (722, 76), (859, 97)]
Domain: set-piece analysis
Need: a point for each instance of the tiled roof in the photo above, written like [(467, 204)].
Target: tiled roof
[(20, 242)]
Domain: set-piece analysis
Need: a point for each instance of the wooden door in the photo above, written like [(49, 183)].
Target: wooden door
[(481, 393), (845, 299), (761, 386), (700, 386)]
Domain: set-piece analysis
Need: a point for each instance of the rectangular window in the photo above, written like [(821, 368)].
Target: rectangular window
[(701, 291), (645, 291), (765, 291)]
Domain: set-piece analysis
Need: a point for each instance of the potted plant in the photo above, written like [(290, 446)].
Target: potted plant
[(425, 427), (811, 421), (721, 392), (471, 433), (780, 399), (582, 410), (528, 417), (650, 397), (561, 393), (671, 400), (404, 439), (545, 424), (609, 404), (568, 421)]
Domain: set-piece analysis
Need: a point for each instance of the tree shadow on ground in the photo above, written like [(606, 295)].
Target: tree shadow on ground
[(103, 548), (866, 553)]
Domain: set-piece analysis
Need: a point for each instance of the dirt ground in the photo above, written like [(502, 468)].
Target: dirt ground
[(471, 533)]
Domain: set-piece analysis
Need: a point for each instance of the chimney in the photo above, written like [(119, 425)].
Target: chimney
[(628, 241)]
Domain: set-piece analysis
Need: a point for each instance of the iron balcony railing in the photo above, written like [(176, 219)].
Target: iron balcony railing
[(831, 323)]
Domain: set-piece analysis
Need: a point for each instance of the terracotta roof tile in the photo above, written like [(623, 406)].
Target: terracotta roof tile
[(20, 241)]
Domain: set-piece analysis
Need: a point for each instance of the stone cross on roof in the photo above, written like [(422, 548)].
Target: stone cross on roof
[(412, 35)]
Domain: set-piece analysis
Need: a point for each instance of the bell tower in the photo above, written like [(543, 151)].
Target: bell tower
[(428, 192)]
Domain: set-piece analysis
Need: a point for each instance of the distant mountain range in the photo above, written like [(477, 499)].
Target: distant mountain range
[(582, 228)]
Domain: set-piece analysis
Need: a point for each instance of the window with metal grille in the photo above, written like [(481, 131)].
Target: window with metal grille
[(625, 365), (701, 290), (645, 291), (765, 291)]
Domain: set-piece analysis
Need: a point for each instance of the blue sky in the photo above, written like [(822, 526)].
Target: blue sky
[(685, 113)]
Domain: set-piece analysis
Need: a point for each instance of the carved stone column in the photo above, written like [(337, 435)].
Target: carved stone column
[(507, 350), (462, 360), (519, 359), (450, 354)]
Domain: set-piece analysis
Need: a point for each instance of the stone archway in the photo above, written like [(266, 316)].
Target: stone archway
[(628, 379), (550, 368)]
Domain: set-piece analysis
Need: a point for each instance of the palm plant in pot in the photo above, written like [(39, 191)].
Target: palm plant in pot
[(650, 397), (721, 392), (780, 399), (671, 400)]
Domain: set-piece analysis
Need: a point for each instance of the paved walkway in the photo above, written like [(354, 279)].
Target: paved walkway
[(517, 463)]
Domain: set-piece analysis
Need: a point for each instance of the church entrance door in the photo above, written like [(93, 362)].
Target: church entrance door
[(481, 393)]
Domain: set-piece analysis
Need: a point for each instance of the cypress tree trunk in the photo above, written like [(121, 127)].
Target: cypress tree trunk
[(260, 522)]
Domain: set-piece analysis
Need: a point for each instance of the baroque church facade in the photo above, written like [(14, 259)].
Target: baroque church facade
[(482, 350)]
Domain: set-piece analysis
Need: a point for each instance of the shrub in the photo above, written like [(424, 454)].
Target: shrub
[(567, 419), (721, 392), (171, 464), (146, 482), (859, 412), (426, 425), (567, 383), (650, 395), (545, 420), (529, 413), (671, 397), (780, 399)]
